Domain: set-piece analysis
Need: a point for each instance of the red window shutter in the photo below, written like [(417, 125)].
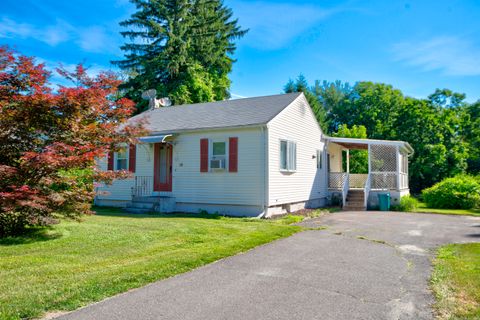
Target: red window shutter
[(203, 155), (233, 154), (132, 158), (110, 161)]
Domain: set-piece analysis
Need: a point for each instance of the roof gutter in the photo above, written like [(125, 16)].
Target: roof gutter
[(172, 132)]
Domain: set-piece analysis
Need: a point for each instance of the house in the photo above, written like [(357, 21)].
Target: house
[(257, 156)]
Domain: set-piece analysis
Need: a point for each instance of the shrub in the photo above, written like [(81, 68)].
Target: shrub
[(459, 192), (408, 204)]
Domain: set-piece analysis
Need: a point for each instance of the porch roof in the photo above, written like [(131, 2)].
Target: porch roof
[(355, 143), (155, 138)]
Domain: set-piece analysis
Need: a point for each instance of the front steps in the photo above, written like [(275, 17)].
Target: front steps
[(161, 204), (355, 201)]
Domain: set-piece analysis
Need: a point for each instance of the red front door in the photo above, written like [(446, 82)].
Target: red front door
[(162, 167)]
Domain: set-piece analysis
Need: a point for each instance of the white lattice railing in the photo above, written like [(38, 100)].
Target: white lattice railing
[(336, 180), (143, 186), (357, 180), (383, 180)]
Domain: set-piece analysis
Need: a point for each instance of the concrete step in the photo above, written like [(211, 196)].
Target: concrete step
[(355, 197), (355, 203), (354, 208), (137, 210), (150, 199), (152, 204), (356, 191), (141, 205)]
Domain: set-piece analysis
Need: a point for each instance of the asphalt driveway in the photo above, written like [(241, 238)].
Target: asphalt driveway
[(365, 265)]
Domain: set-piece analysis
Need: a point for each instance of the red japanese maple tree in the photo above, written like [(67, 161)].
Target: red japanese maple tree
[(50, 138)]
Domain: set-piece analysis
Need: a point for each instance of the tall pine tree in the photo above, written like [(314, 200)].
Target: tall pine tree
[(301, 85), (181, 48)]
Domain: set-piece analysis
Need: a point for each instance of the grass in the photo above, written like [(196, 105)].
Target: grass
[(422, 208), (73, 264), (301, 215), (456, 281)]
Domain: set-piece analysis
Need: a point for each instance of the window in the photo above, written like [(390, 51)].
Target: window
[(218, 156), (121, 159), (219, 149), (288, 155), (319, 159)]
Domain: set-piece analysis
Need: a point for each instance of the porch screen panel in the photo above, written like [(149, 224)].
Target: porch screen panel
[(383, 162)]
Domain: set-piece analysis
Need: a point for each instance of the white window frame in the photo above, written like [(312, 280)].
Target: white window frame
[(291, 156), (215, 157), (116, 158)]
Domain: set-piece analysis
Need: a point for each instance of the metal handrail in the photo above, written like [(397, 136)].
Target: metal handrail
[(143, 186)]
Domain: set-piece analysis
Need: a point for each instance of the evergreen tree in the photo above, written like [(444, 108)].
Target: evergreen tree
[(301, 85), (181, 48)]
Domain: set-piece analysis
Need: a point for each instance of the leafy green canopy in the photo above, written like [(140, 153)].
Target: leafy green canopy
[(358, 158), (444, 130), (181, 48), (459, 192)]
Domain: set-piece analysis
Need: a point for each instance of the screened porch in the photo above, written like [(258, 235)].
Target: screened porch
[(383, 167)]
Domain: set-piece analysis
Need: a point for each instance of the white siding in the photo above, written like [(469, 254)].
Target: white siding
[(296, 123), (122, 189), (245, 187), (335, 151)]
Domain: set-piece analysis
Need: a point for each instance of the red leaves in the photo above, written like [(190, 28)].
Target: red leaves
[(49, 140)]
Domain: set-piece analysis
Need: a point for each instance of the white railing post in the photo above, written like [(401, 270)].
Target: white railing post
[(348, 160), (346, 183), (398, 168), (366, 191)]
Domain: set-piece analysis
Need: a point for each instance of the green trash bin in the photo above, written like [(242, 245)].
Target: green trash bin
[(384, 201)]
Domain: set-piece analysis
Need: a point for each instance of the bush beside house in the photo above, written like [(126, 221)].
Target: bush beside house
[(459, 192), (408, 204)]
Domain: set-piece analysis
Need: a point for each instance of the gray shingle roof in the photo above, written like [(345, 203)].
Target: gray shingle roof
[(220, 114)]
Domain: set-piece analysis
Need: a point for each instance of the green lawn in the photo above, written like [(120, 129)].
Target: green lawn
[(422, 208), (73, 264), (456, 281)]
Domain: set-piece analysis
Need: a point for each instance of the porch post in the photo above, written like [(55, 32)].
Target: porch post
[(369, 162), (397, 151), (348, 160)]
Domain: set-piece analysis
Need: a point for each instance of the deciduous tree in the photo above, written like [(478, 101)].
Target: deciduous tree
[(49, 140), (358, 158)]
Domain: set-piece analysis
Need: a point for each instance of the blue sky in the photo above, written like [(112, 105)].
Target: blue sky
[(415, 45)]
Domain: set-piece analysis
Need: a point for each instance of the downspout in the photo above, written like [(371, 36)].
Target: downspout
[(266, 168)]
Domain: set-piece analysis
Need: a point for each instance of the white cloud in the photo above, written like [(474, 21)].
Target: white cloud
[(451, 55), (90, 39), (96, 39), (274, 25), (52, 34)]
